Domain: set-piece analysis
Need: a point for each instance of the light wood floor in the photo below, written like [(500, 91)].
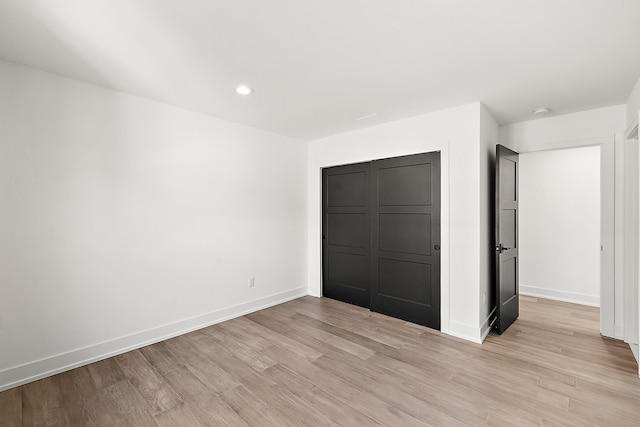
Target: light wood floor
[(321, 362)]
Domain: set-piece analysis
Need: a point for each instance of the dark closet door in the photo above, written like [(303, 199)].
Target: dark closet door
[(405, 250), (507, 305), (345, 233)]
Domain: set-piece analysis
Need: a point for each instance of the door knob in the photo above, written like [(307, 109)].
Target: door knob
[(500, 248)]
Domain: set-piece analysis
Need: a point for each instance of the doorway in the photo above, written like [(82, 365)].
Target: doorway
[(560, 224), (611, 309), (381, 236)]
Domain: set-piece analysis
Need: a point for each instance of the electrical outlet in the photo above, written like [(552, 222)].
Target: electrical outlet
[(252, 281)]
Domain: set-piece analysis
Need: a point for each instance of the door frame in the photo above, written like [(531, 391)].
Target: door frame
[(444, 218), (610, 296)]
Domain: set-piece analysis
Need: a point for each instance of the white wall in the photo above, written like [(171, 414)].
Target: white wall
[(631, 245), (604, 127), (633, 105), (632, 226), (488, 139), (123, 221), (559, 227), (455, 133), (546, 133), (632, 332)]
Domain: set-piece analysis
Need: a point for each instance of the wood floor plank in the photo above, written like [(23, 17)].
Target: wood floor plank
[(151, 386), (337, 358), (200, 365), (617, 402), (594, 415), (271, 394), (410, 380), (343, 390), (119, 405), (77, 389), (335, 409), (612, 376), (350, 347), (159, 356), (178, 416), (315, 361), (106, 372), (42, 404), (11, 407), (349, 335), (253, 411), (205, 403), (527, 399), (236, 345), (244, 330), (203, 341), (394, 396), (286, 340)]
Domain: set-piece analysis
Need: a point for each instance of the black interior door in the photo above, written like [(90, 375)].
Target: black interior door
[(345, 233), (405, 250), (506, 227)]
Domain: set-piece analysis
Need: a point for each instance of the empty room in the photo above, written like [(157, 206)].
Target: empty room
[(287, 213)]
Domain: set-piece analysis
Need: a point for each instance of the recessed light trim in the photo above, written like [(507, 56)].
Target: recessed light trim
[(542, 110), (244, 90)]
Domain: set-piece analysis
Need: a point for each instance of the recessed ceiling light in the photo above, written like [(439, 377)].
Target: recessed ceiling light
[(244, 90), (542, 110)]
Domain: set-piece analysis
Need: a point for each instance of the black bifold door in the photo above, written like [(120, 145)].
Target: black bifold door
[(381, 236)]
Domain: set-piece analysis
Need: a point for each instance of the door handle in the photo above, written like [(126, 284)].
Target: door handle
[(500, 248)]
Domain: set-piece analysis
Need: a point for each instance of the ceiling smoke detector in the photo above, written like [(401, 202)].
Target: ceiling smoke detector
[(542, 110)]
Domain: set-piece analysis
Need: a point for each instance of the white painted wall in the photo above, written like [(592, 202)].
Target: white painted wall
[(123, 221), (632, 225), (631, 245), (489, 135), (560, 224), (547, 133), (454, 132), (634, 335), (604, 127), (633, 105)]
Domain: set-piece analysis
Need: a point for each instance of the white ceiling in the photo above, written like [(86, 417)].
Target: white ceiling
[(316, 65)]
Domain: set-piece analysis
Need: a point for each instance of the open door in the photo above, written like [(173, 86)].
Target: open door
[(506, 227)]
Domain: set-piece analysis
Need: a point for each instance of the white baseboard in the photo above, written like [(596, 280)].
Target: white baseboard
[(485, 328), (33, 371), (572, 297), (466, 332)]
